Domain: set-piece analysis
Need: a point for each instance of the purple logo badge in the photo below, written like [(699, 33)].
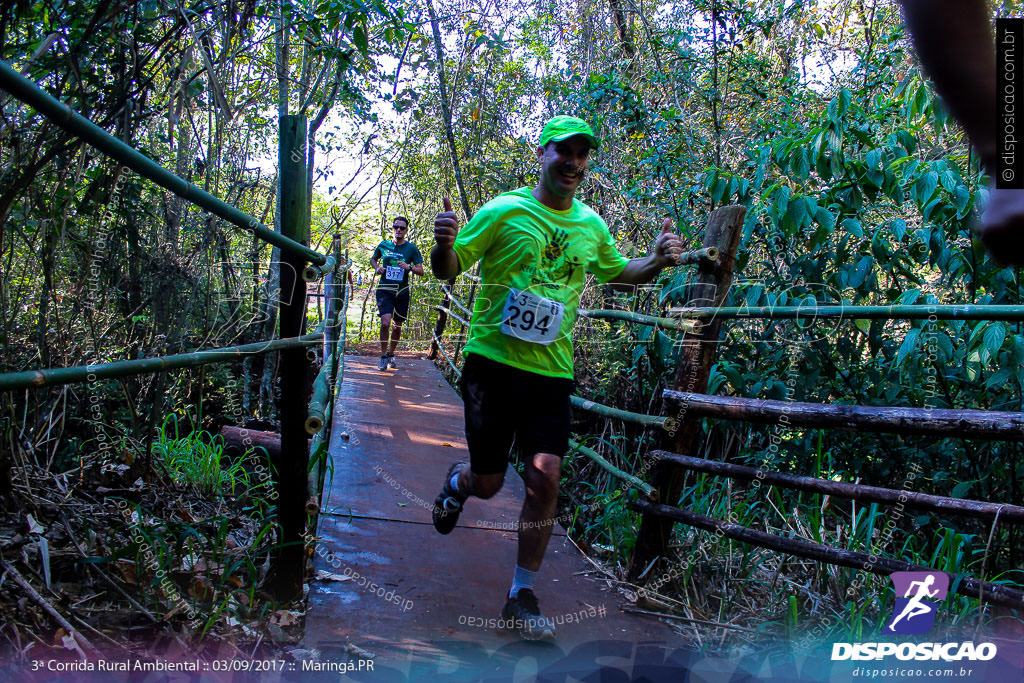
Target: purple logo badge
[(917, 597)]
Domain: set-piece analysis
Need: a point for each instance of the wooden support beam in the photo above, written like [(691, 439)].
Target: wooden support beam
[(709, 288), (288, 566), (237, 440), (970, 424)]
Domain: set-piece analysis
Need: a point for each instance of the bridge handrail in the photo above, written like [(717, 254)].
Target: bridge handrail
[(1000, 312), (124, 368), (968, 423), (451, 314), (451, 363), (692, 326), (1002, 512), (67, 118), (636, 482), (454, 299), (665, 423)]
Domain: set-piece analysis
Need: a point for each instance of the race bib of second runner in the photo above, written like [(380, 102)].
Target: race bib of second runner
[(393, 273), (531, 318)]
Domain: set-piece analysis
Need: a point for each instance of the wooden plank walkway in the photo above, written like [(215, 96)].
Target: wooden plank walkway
[(426, 604), (425, 607)]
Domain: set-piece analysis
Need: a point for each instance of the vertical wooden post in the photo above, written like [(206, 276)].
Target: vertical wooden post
[(696, 356), (289, 566), (442, 320)]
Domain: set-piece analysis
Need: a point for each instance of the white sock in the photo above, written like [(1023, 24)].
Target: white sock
[(523, 578)]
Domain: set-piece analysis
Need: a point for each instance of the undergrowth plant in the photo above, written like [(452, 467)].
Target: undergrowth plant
[(198, 459)]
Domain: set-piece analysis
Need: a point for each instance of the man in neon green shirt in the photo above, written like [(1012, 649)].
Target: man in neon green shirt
[(534, 246)]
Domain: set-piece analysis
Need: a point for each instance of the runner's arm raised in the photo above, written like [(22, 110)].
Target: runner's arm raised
[(443, 260), (664, 253)]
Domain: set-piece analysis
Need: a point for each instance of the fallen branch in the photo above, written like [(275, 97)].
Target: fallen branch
[(81, 642)]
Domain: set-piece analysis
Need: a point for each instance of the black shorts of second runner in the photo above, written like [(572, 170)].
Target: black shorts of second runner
[(506, 404), (390, 302)]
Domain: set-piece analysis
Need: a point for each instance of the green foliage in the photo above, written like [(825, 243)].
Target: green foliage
[(198, 459)]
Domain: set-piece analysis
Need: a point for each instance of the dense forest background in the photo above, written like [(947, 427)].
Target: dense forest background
[(813, 115)]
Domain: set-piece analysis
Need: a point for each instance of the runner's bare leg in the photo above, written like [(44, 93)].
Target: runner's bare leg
[(396, 334), (385, 324), (536, 520)]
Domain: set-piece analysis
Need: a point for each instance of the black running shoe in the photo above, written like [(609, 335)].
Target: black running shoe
[(383, 364), (391, 361), (522, 614), (448, 504)]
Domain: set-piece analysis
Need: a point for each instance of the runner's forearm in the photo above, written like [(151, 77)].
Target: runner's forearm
[(638, 271), (444, 262)]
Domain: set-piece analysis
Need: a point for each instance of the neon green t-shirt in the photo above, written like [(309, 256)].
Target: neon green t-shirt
[(532, 274)]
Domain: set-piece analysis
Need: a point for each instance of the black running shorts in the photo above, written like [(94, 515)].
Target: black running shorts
[(390, 302), (506, 404)]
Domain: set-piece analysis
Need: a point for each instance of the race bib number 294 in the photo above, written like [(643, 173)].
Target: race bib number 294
[(531, 318)]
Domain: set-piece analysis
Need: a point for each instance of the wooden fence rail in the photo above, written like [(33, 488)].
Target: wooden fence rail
[(973, 424), (982, 590), (995, 512)]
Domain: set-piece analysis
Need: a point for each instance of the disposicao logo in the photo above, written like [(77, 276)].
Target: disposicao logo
[(913, 613), (917, 600)]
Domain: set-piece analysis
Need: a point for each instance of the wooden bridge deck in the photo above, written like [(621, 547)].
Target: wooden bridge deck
[(419, 602)]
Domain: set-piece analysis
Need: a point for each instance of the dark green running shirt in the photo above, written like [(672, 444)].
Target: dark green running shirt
[(394, 278)]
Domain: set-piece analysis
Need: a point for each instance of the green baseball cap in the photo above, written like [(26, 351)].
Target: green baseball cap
[(564, 127)]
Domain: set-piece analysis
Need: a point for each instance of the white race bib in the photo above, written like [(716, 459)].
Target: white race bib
[(531, 318), (393, 273)]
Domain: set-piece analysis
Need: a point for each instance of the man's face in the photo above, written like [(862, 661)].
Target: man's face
[(564, 164), (399, 228)]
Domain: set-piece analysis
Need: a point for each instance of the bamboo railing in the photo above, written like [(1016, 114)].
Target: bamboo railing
[(292, 486)]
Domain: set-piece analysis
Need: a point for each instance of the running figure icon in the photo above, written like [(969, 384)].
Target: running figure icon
[(916, 607)]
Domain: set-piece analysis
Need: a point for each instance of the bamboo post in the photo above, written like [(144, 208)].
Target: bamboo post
[(316, 416), (289, 564), (709, 288)]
